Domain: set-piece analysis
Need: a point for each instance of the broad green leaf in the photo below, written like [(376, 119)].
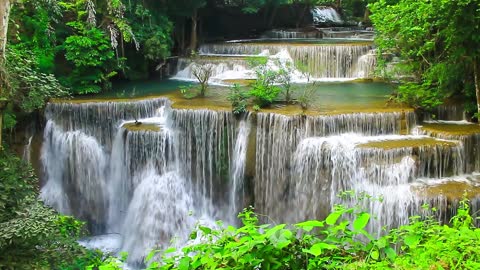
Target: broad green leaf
[(184, 263), (375, 255), (309, 225), (391, 254), (273, 230), (412, 240), (318, 248), (361, 222), (205, 230), (150, 255), (332, 218)]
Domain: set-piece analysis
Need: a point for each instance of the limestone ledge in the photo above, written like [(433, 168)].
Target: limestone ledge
[(408, 143), (450, 129), (451, 189), (219, 103)]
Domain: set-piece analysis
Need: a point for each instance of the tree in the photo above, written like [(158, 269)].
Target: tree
[(202, 72), (437, 42), (5, 7)]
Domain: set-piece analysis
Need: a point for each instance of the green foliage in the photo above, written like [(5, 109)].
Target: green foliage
[(92, 57), (305, 98), (33, 236), (9, 120), (265, 88), (338, 242), (239, 99), (436, 42), (30, 87), (189, 91)]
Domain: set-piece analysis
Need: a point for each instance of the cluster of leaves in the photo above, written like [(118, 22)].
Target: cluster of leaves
[(265, 88), (436, 42), (239, 99), (333, 243), (82, 42), (33, 236), (92, 57), (25, 85)]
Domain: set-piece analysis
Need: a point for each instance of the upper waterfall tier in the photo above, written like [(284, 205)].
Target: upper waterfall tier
[(325, 15), (321, 60)]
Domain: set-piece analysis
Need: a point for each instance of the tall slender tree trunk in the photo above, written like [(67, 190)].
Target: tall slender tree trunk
[(338, 5), (302, 16), (193, 36), (476, 75), (2, 109), (5, 6), (366, 15), (271, 21)]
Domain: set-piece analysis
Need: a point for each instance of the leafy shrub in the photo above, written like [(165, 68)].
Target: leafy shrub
[(93, 60), (30, 88), (333, 243), (239, 99), (33, 236)]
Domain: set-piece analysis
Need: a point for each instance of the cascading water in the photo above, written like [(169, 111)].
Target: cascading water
[(327, 166), (322, 15), (75, 165), (152, 178), (321, 61), (278, 136), (147, 179), (237, 193), (159, 211), (291, 34)]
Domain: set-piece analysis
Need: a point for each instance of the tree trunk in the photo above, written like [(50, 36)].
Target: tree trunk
[(476, 76), (193, 36), (272, 16), (302, 16), (338, 5), (366, 16), (5, 6), (3, 104)]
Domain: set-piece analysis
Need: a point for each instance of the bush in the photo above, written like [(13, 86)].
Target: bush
[(333, 243), (239, 99), (33, 236)]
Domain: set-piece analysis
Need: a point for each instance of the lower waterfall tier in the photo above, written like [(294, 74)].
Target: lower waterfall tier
[(153, 176)]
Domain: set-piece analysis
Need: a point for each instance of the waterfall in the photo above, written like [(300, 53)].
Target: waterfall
[(324, 167), (147, 172), (204, 141), (27, 150), (278, 136), (321, 60), (75, 166), (143, 170), (366, 65), (460, 131), (225, 68), (159, 211), (237, 193), (292, 34), (322, 15), (448, 112)]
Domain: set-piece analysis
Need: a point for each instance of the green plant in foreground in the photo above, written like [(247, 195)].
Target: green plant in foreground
[(338, 242)]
